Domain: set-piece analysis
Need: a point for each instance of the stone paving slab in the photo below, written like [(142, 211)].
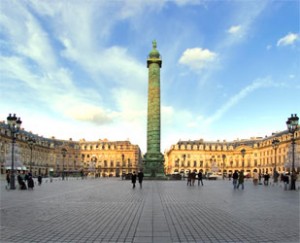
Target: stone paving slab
[(109, 210)]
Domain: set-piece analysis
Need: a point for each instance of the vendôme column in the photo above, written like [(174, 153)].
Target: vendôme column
[(153, 159)]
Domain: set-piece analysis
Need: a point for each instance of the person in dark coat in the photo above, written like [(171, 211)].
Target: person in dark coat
[(40, 180), (193, 178), (21, 183), (189, 178), (140, 177), (30, 183), (266, 179), (241, 180), (235, 177), (200, 176), (285, 181), (8, 179), (133, 179)]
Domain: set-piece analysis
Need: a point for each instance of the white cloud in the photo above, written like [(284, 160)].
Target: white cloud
[(289, 39), (234, 29), (186, 2), (292, 76), (256, 84), (197, 58)]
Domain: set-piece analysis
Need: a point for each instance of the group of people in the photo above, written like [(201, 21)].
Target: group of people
[(191, 178), (238, 179), (24, 179), (139, 176)]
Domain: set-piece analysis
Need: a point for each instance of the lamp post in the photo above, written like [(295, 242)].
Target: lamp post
[(275, 144), (14, 125), (64, 153), (31, 142), (292, 125), (243, 152), (223, 157)]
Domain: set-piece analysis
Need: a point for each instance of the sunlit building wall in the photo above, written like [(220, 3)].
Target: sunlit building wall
[(224, 156), (102, 157)]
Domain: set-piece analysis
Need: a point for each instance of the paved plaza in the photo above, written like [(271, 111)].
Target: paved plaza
[(109, 210)]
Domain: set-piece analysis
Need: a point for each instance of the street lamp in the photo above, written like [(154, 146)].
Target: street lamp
[(292, 125), (14, 125), (31, 142), (223, 157), (64, 153), (243, 152), (275, 144)]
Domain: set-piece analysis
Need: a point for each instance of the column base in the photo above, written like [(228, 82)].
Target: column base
[(153, 166)]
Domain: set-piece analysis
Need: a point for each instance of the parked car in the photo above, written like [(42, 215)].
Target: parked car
[(214, 176)]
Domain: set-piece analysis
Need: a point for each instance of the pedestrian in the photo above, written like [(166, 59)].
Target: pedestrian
[(235, 177), (40, 180), (140, 177), (133, 179), (241, 180), (266, 178), (30, 183), (285, 181), (200, 177), (276, 176), (21, 182), (255, 178), (8, 179), (193, 178), (189, 178), (259, 178)]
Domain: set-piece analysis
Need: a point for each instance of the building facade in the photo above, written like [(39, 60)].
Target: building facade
[(224, 157), (45, 157)]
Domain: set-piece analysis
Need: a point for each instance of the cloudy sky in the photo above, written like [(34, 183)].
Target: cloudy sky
[(77, 69)]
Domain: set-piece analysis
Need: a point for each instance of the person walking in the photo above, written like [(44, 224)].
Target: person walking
[(235, 177), (140, 177), (200, 177), (30, 183), (293, 180), (285, 181), (21, 182), (259, 178), (241, 180), (133, 179), (40, 180), (8, 179), (255, 178), (189, 178), (266, 179), (193, 178)]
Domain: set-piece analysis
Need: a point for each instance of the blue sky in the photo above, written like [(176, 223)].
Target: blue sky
[(77, 69)]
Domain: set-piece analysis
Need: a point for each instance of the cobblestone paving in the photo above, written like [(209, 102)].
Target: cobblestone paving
[(109, 210)]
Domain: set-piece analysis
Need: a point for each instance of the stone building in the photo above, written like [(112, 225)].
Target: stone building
[(224, 156), (109, 158), (102, 157)]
